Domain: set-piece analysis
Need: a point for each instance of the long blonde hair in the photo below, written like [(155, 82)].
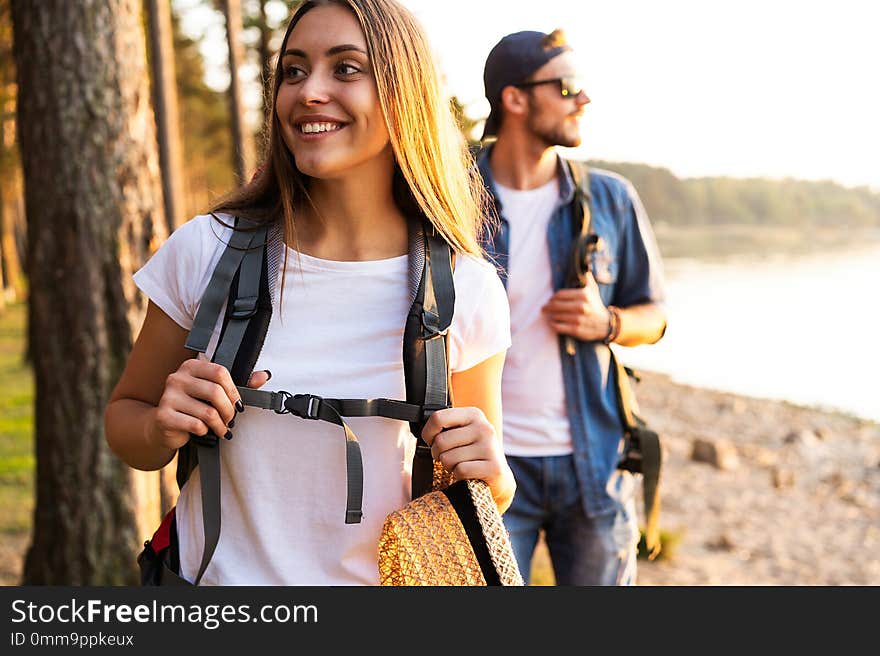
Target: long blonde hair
[(434, 171)]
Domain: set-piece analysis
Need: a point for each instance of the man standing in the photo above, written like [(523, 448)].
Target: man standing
[(562, 426)]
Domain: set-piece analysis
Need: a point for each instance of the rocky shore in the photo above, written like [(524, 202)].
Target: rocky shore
[(762, 493), (778, 494)]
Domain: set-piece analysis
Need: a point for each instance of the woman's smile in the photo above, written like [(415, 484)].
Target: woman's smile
[(313, 127)]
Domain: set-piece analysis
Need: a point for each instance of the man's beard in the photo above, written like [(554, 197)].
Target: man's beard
[(556, 135)]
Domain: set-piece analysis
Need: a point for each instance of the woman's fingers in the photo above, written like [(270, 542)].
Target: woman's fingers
[(452, 439), (211, 394), (259, 378), (214, 373), (198, 397), (203, 417), (464, 442), (451, 458), (448, 418)]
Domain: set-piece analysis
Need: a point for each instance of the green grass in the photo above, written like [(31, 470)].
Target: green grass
[(16, 426)]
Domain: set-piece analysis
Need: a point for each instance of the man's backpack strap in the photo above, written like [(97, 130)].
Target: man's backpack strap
[(241, 268), (642, 454), (584, 240), (425, 342), (582, 219)]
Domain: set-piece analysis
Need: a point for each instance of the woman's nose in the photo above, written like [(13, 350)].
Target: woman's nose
[(314, 90)]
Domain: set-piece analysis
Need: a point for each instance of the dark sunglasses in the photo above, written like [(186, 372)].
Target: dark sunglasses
[(568, 86)]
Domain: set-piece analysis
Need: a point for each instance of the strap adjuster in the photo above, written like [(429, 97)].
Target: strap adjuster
[(305, 406), (431, 325), (244, 307)]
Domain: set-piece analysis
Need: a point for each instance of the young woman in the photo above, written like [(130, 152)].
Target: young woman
[(357, 116)]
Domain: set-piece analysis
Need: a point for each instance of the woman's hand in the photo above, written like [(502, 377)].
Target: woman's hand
[(198, 397), (466, 443)]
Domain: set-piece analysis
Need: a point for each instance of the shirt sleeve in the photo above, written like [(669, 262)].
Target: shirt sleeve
[(640, 278), (175, 277), (481, 323)]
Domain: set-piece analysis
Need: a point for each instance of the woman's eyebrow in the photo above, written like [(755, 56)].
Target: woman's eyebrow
[(335, 50)]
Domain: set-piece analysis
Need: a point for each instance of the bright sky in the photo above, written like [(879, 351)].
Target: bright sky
[(744, 88)]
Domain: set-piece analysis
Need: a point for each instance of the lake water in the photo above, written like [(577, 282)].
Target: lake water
[(806, 330)]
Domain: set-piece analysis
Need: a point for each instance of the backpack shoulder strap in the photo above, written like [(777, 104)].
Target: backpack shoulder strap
[(584, 240), (425, 343), (582, 228), (240, 278), (642, 454)]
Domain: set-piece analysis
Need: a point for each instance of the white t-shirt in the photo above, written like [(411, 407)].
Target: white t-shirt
[(535, 419), (339, 334)]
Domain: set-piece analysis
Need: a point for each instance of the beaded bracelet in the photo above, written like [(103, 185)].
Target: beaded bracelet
[(613, 325)]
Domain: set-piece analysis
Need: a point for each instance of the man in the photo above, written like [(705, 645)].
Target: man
[(562, 427)]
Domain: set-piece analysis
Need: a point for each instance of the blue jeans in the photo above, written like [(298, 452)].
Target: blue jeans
[(584, 551)]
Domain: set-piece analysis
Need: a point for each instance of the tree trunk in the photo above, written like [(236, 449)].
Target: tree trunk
[(165, 105), (265, 53), (94, 206), (12, 287), (10, 223), (241, 136)]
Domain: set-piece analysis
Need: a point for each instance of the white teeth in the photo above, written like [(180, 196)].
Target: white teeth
[(309, 128)]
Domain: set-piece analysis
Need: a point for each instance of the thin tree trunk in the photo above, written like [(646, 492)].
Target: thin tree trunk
[(265, 71), (241, 136), (13, 278), (94, 202), (165, 106)]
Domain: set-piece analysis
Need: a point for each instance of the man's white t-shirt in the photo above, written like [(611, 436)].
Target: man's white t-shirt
[(339, 334), (535, 418)]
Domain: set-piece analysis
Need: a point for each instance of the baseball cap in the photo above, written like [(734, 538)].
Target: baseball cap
[(513, 59)]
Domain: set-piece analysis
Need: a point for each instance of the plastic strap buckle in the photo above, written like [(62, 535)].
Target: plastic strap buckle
[(280, 407), (306, 406)]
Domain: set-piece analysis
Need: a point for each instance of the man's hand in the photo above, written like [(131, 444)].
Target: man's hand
[(579, 312)]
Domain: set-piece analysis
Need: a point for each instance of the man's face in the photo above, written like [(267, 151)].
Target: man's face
[(552, 117)]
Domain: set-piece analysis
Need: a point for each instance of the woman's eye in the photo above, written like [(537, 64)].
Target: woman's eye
[(347, 69), (293, 73)]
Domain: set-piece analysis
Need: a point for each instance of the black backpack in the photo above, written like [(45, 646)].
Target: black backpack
[(641, 452), (241, 279)]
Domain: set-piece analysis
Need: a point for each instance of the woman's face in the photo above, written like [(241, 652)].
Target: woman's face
[(327, 103)]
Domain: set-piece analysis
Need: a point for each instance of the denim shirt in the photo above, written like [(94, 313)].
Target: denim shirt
[(628, 272)]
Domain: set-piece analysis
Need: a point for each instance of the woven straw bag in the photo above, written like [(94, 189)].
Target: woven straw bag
[(451, 536)]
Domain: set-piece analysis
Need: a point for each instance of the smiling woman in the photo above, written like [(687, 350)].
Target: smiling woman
[(327, 103), (367, 185)]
